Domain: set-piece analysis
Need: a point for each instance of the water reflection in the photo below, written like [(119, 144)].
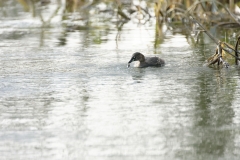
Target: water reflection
[(213, 114)]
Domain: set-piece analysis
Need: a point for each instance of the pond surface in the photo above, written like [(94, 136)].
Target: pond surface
[(70, 95)]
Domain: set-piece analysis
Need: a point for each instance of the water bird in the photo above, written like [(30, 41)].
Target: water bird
[(146, 61)]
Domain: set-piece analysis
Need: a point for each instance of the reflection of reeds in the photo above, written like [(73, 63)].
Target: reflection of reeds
[(174, 13), (73, 5), (165, 10), (24, 4)]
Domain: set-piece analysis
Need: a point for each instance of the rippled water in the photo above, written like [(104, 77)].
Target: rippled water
[(80, 101)]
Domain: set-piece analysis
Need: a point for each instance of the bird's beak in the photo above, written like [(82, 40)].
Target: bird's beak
[(132, 59)]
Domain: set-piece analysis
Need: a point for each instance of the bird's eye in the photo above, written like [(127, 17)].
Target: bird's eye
[(134, 58)]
